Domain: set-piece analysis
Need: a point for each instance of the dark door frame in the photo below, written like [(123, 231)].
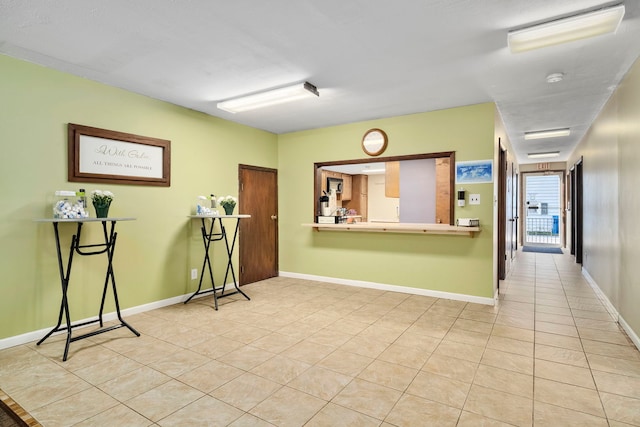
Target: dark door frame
[(572, 210), (579, 210), (512, 214), (502, 212), (516, 207)]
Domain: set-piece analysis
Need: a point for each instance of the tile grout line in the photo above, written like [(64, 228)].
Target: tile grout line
[(595, 384)]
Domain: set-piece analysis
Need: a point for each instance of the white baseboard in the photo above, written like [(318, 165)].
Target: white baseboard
[(392, 288), (36, 335), (611, 309), (601, 296), (632, 334)]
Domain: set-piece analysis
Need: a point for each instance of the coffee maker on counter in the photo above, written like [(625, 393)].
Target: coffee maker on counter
[(324, 205), (329, 212)]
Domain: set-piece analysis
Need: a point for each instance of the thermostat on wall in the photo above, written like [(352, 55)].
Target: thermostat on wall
[(468, 222)]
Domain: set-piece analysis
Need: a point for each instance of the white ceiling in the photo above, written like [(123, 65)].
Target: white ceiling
[(368, 58)]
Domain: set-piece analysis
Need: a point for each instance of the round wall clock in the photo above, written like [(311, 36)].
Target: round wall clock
[(374, 142)]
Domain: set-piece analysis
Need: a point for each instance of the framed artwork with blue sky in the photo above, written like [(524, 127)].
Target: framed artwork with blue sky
[(474, 172)]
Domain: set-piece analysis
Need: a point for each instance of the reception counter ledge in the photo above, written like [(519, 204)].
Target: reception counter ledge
[(386, 227)]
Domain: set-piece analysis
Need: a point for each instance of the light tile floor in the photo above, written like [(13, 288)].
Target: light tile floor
[(318, 354)]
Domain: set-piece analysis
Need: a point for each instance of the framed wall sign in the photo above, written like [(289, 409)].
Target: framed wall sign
[(101, 155)]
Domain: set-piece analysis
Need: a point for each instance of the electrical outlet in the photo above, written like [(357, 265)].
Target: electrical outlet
[(474, 199), (194, 273)]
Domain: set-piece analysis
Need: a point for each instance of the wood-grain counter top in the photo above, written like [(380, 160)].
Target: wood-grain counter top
[(392, 227)]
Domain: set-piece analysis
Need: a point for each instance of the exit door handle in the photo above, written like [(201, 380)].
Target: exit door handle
[(274, 216)]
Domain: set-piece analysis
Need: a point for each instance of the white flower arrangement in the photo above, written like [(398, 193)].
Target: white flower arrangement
[(101, 198), (227, 201)]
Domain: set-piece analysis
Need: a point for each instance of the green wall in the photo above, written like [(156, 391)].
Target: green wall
[(154, 253), (454, 264)]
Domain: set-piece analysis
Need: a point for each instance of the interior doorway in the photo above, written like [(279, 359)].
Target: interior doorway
[(512, 211), (576, 210), (543, 209), (258, 238), (507, 213)]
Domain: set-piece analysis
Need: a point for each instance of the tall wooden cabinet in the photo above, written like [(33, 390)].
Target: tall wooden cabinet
[(359, 196), (392, 179), (347, 182), (443, 193)]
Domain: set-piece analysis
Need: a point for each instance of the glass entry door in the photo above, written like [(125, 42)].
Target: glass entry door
[(542, 209)]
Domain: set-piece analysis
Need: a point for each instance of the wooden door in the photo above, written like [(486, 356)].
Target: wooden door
[(258, 239)]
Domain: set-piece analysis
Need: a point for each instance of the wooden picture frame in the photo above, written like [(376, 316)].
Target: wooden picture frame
[(106, 156)]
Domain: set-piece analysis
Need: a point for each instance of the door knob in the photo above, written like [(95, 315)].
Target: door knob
[(274, 216)]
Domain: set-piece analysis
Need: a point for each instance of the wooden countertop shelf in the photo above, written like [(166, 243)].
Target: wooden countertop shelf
[(384, 227)]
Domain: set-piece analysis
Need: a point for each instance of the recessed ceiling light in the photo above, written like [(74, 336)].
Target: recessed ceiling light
[(550, 133), (565, 30), (555, 77), (543, 155), (268, 98)]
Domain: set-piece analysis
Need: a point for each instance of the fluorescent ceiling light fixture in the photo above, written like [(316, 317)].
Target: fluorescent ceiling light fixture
[(268, 98), (551, 133), (565, 30), (555, 77), (373, 171), (543, 155)]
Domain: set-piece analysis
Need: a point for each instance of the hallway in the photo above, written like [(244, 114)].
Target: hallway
[(319, 354), (584, 365)]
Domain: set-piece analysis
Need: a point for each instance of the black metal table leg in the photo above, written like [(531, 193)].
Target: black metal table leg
[(230, 263), (209, 236), (64, 281), (107, 247), (110, 252)]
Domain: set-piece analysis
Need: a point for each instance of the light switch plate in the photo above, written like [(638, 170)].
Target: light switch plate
[(474, 199)]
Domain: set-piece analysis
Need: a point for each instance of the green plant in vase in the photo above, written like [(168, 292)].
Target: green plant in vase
[(228, 203), (101, 201)]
